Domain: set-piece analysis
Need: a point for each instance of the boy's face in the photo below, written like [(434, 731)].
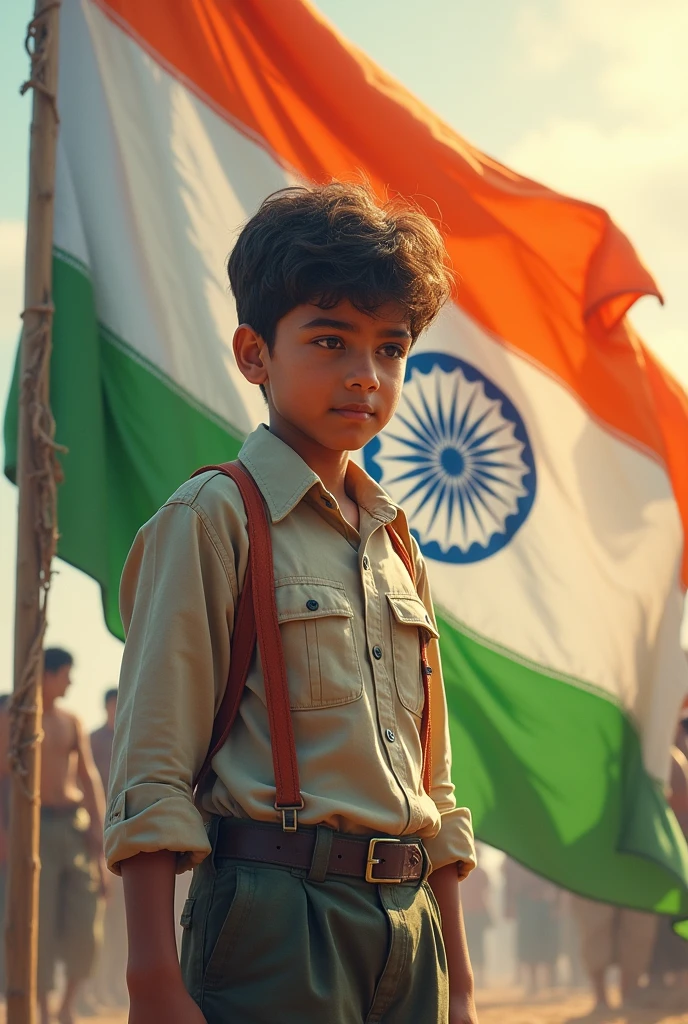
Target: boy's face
[(334, 374)]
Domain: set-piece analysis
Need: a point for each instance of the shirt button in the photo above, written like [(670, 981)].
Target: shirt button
[(366, 562), (389, 733), (377, 652), (312, 605)]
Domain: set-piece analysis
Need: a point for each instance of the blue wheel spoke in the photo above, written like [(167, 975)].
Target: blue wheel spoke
[(422, 474), (428, 494), (428, 443), (429, 459), (479, 485), (475, 426), (451, 498), (440, 411), (437, 433), (503, 480), (441, 494), (425, 425), (466, 490), (477, 441), (496, 451), (453, 409), (456, 438), (472, 489)]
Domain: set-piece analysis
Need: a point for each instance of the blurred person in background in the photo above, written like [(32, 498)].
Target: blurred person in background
[(615, 936), (101, 739), (72, 865), (531, 902), (670, 958), (477, 917), (109, 983), (569, 940)]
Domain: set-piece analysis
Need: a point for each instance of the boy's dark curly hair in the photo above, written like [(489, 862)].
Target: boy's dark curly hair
[(326, 243)]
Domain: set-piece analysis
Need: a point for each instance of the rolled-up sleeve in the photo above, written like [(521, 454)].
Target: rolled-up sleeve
[(454, 843), (178, 595)]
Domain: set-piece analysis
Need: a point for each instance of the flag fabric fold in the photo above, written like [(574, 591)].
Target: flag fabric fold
[(538, 448)]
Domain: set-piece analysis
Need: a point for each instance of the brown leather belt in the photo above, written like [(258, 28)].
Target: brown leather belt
[(382, 860)]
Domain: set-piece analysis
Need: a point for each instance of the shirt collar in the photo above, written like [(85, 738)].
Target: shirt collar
[(283, 478), (369, 495)]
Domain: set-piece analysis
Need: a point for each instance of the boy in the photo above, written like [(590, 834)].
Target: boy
[(285, 921), (72, 866)]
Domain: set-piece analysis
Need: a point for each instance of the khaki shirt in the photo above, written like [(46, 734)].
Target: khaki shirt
[(352, 666)]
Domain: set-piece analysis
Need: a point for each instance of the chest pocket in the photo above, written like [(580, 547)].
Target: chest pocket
[(410, 622), (316, 623)]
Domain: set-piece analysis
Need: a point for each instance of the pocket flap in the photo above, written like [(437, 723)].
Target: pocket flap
[(187, 913), (311, 599), (409, 610)]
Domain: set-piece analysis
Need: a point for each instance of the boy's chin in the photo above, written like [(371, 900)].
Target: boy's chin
[(346, 441)]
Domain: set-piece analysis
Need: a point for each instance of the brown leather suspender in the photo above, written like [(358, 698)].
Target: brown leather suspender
[(256, 619)]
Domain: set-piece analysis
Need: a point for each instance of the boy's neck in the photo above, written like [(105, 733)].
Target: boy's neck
[(330, 465)]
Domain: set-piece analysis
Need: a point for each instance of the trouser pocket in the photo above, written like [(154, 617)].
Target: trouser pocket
[(213, 918), (227, 921)]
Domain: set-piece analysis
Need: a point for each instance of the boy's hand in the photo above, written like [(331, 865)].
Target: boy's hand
[(462, 1010), (168, 1004)]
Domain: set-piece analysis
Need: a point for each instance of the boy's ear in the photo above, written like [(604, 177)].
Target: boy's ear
[(249, 352)]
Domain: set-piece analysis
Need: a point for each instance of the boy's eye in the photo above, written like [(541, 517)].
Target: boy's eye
[(394, 351), (329, 343)]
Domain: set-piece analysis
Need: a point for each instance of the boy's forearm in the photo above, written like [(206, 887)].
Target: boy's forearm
[(445, 885), (149, 880)]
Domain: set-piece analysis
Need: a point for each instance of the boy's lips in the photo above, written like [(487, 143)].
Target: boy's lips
[(355, 411)]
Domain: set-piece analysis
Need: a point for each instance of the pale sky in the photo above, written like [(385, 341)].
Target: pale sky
[(587, 96)]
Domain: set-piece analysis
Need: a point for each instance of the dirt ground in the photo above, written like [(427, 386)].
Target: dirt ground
[(507, 1008), (503, 1008)]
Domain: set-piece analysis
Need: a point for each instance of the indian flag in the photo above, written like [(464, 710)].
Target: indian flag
[(539, 447)]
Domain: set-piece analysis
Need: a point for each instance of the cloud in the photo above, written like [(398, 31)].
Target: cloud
[(637, 173), (12, 239), (636, 50), (629, 154)]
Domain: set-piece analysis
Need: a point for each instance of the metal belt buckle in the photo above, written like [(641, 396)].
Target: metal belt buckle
[(372, 860)]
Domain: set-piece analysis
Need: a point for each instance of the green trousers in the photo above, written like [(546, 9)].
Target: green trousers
[(68, 899), (268, 945)]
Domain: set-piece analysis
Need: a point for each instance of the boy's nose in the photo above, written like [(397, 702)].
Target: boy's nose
[(364, 376)]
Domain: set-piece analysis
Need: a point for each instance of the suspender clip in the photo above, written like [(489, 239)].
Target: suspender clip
[(290, 816)]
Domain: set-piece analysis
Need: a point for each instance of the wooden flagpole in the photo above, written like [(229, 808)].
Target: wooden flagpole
[(37, 528)]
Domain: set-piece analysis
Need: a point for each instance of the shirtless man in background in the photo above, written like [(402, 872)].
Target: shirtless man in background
[(72, 866)]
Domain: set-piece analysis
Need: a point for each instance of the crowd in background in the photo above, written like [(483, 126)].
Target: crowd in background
[(522, 930)]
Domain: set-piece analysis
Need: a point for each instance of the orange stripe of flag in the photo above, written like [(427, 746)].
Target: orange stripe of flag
[(550, 275)]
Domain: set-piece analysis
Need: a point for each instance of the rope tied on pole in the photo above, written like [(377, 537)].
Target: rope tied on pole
[(45, 475), (37, 45)]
